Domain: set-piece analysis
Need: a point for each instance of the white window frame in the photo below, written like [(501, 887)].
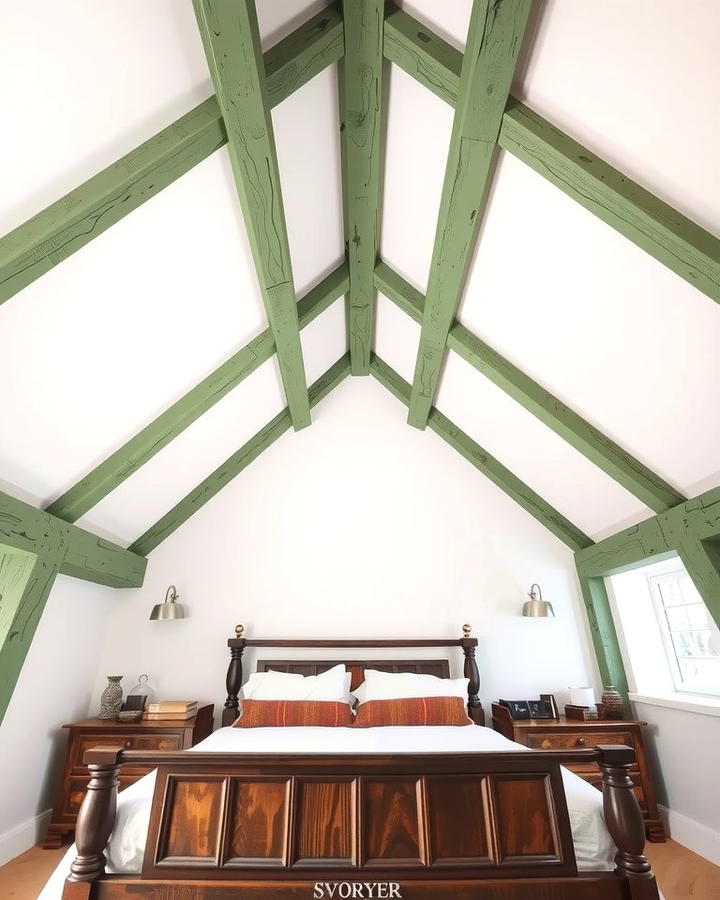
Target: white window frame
[(655, 582)]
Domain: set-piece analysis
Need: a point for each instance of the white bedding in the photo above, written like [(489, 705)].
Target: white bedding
[(594, 849)]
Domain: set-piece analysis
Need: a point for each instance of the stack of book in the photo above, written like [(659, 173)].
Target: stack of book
[(171, 709)]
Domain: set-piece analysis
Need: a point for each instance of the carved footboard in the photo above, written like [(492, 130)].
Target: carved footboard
[(432, 826)]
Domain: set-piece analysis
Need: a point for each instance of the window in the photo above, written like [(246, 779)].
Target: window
[(691, 638)]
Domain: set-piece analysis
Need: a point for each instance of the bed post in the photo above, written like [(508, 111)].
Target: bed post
[(470, 671), (97, 815), (625, 822), (234, 678)]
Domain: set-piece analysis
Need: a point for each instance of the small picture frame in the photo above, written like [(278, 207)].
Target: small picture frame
[(540, 709), (519, 709), (135, 702)]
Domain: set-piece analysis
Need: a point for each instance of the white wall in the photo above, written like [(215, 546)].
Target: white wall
[(360, 526), (55, 686)]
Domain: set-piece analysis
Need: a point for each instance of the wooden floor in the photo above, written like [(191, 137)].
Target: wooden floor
[(681, 874)]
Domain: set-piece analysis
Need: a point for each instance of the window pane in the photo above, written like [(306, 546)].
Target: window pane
[(670, 592), (678, 619), (698, 616)]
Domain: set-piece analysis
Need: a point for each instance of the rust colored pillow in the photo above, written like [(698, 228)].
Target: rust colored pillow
[(412, 711), (279, 713)]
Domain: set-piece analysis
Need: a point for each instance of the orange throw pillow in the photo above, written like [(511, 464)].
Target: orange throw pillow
[(280, 713), (412, 711)]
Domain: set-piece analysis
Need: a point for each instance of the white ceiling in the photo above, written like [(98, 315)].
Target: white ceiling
[(105, 341)]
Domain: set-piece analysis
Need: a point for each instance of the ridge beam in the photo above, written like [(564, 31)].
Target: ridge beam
[(231, 39), (484, 462), (493, 45), (620, 465), (360, 133)]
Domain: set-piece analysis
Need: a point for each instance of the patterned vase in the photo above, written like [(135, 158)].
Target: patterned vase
[(612, 703), (111, 698)]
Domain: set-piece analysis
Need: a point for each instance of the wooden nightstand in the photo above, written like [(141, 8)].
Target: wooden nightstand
[(568, 734), (172, 734)]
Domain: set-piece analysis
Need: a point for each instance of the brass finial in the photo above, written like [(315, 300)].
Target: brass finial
[(466, 630), (239, 629)]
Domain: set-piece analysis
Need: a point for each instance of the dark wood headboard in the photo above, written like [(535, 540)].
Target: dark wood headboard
[(356, 667)]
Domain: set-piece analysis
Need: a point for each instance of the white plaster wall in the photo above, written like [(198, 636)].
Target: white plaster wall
[(56, 686), (361, 526)]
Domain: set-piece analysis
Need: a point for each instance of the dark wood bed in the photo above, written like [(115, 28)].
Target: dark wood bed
[(426, 827)]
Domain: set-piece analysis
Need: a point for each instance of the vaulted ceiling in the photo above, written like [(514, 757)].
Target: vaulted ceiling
[(585, 355)]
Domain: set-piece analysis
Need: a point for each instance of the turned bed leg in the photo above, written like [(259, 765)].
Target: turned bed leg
[(234, 679), (97, 815), (470, 671), (625, 821)]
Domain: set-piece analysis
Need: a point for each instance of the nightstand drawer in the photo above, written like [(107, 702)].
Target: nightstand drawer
[(554, 740), (128, 741)]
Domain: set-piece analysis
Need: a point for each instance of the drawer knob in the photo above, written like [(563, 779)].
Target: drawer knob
[(128, 745), (580, 742)]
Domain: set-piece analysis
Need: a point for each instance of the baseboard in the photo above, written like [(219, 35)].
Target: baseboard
[(691, 834), (23, 836)]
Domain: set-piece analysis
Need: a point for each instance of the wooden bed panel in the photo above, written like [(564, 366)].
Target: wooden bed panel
[(392, 822), (438, 667), (257, 829)]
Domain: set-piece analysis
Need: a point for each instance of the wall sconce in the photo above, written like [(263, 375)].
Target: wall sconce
[(536, 607), (169, 609)]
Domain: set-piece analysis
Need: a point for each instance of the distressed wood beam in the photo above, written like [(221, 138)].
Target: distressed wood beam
[(231, 38), (83, 555), (655, 538), (595, 446), (39, 244), (702, 560), (676, 241), (360, 132), (484, 462), (493, 46), (603, 633), (26, 580), (121, 464), (235, 464)]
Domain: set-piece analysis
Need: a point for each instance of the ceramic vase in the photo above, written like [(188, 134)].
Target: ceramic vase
[(612, 703), (111, 698)]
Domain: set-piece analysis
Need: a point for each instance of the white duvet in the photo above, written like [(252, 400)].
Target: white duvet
[(594, 849)]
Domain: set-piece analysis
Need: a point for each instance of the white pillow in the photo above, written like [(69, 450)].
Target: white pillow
[(330, 685), (401, 685)]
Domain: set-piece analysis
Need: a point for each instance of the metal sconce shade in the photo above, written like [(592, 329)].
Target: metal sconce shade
[(169, 609), (536, 607)]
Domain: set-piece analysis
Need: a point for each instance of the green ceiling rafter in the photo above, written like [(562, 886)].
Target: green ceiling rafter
[(34, 548), (231, 38), (493, 45), (240, 460), (690, 530), (360, 132), (486, 463), (26, 580), (674, 240), (121, 464), (39, 244), (599, 449)]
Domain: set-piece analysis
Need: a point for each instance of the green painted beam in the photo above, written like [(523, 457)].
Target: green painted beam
[(360, 134), (121, 464), (423, 54), (83, 555), (604, 635), (655, 538), (26, 580), (599, 449), (235, 464), (702, 560), (39, 244), (679, 243), (231, 38), (674, 240), (493, 46), (484, 462)]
